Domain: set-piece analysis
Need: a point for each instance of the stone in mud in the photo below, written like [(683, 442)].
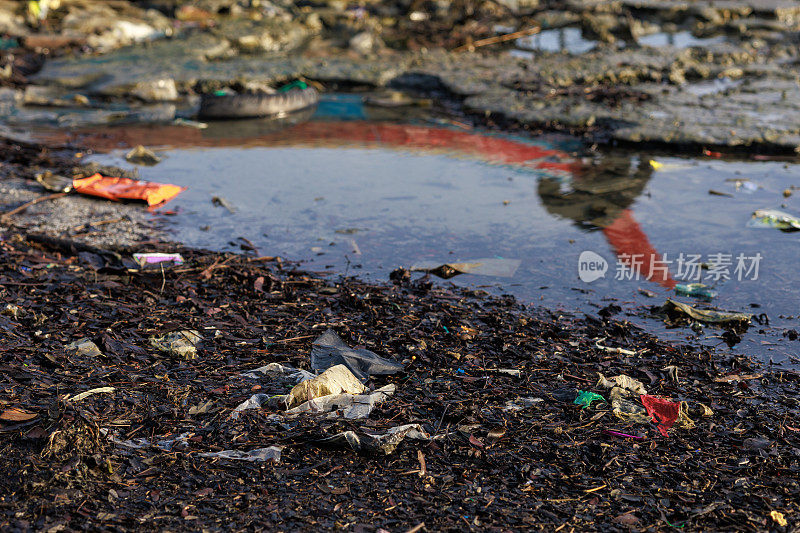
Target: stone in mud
[(365, 42), (162, 90), (83, 348), (271, 35), (142, 156)]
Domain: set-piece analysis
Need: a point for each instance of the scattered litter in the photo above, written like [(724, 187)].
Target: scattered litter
[(655, 165), (83, 347), (648, 293), (146, 259), (81, 396), (352, 406), (14, 311), (219, 201), (521, 404), (772, 218), (714, 192), (16, 414), (385, 442), (623, 382), (257, 401), (190, 123), (179, 442), (54, 182), (260, 455), (621, 435), (695, 290), (126, 189), (672, 308), (503, 268), (666, 413), (336, 380), (277, 369), (142, 156), (778, 518), (329, 350), (586, 398), (178, 343)]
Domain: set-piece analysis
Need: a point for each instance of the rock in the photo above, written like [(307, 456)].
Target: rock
[(83, 347), (163, 90), (142, 156), (365, 42), (178, 343)]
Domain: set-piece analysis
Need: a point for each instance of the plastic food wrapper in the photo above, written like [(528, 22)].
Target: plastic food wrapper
[(666, 413), (623, 382), (156, 258), (126, 189), (261, 455), (349, 406), (329, 350), (385, 442), (336, 380)]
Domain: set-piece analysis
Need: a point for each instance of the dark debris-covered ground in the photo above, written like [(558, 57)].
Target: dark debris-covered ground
[(540, 463)]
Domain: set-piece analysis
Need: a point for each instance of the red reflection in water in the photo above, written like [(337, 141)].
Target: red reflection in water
[(633, 249), (626, 237)]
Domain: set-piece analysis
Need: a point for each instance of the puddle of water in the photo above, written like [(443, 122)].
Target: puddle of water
[(367, 197), (705, 88), (681, 39), (559, 40)]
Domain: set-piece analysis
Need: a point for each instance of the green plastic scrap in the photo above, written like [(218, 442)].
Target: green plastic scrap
[(772, 218), (696, 290), (297, 84), (586, 398)]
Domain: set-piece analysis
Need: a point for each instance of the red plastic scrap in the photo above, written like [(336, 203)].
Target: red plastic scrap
[(126, 189), (663, 412)]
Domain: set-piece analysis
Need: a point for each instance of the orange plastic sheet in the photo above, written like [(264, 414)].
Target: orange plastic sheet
[(126, 189)]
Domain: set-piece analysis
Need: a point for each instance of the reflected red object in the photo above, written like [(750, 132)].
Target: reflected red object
[(633, 249), (626, 237)]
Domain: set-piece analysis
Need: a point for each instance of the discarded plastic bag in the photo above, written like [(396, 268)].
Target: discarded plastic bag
[(329, 350), (772, 218), (260, 455), (352, 406), (672, 308), (623, 382), (503, 268), (178, 343), (666, 413), (625, 409), (585, 398), (126, 189), (385, 442), (335, 380), (277, 369), (143, 260)]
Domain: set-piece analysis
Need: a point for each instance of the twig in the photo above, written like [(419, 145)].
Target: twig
[(25, 206), (497, 39)]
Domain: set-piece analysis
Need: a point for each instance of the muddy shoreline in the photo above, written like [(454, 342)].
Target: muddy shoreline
[(103, 428), (508, 449)]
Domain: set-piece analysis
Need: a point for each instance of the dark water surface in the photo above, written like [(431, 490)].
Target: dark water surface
[(366, 196)]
